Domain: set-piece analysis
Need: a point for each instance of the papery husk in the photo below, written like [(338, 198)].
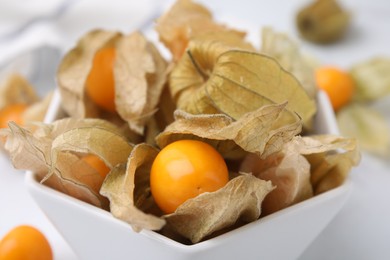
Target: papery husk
[(25, 150), (31, 148), (230, 39), (77, 178), (74, 69), (212, 79), (257, 131), (15, 89), (61, 126), (323, 21), (127, 188), (30, 152), (367, 125), (372, 78), (331, 159), (184, 21), (140, 74), (305, 167), (281, 47), (239, 199), (96, 137), (112, 148), (196, 67), (288, 170), (193, 70)]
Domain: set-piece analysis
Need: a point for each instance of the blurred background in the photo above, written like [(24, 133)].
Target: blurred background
[(35, 34)]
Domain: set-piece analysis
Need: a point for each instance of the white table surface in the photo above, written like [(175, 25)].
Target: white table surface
[(362, 229)]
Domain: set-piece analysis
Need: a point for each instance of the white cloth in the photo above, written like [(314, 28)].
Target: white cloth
[(26, 25)]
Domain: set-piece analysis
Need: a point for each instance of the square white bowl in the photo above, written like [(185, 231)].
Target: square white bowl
[(95, 234)]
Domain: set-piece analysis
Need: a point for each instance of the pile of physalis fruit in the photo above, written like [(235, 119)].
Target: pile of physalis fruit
[(255, 107)]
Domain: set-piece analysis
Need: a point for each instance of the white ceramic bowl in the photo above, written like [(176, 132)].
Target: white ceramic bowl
[(95, 234)]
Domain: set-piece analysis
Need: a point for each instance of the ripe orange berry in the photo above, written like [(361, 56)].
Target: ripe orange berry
[(100, 85), (183, 170), (338, 85), (12, 112), (96, 163), (25, 243)]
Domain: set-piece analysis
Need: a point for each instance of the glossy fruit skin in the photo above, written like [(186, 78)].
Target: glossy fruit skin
[(96, 163), (100, 84), (183, 170), (25, 243), (338, 85), (12, 112)]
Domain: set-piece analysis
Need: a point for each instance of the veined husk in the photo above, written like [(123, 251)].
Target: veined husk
[(367, 125), (186, 20), (305, 166), (289, 172), (214, 78), (372, 78), (54, 151), (140, 75), (281, 47), (15, 89), (127, 187), (331, 159), (257, 131), (74, 69), (240, 199), (139, 72)]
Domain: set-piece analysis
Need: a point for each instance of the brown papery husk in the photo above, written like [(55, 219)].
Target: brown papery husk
[(187, 20), (239, 199), (331, 158), (215, 78), (254, 132), (306, 166), (368, 126), (372, 79), (15, 89), (288, 170), (111, 147), (140, 75), (73, 72), (287, 52), (196, 65), (127, 187), (32, 148), (323, 21)]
